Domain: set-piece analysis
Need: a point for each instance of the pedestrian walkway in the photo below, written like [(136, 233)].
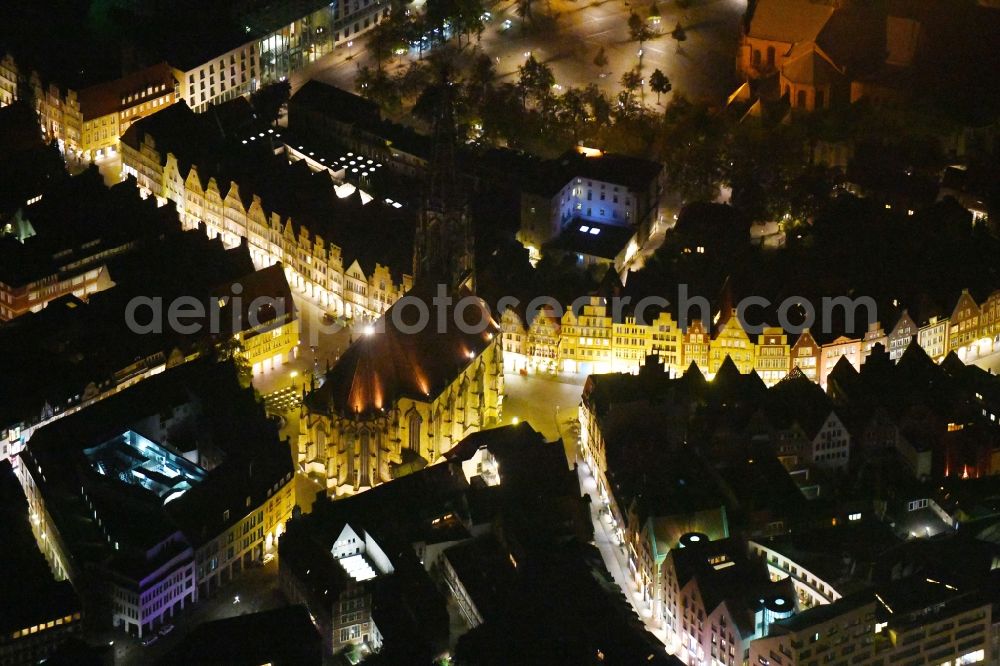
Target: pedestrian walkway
[(614, 554), (282, 401)]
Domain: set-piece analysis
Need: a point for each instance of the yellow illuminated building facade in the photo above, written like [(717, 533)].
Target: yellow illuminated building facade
[(772, 355), (396, 401), (312, 265), (89, 123), (666, 340), (630, 345), (731, 341), (268, 346), (585, 343), (592, 343)]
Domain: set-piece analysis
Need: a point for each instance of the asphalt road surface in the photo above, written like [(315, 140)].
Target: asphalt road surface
[(568, 35)]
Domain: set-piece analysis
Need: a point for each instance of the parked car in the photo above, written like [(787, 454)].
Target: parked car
[(166, 629), (150, 639), (268, 558)]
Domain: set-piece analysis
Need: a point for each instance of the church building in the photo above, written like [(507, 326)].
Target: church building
[(404, 393)]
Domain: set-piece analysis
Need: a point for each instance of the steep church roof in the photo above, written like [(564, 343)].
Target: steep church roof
[(397, 358), (811, 68), (789, 20)]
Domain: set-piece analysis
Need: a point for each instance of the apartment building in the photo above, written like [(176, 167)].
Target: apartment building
[(806, 354), (89, 122), (585, 340), (772, 355), (589, 186), (933, 338), (832, 352), (343, 266), (234, 72), (913, 621), (963, 327), (901, 335), (731, 341), (137, 526), (717, 600)]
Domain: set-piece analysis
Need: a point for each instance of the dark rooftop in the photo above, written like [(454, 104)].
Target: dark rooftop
[(593, 239), (30, 594), (389, 363), (369, 231), (565, 610), (485, 571), (281, 637), (79, 345), (76, 224)]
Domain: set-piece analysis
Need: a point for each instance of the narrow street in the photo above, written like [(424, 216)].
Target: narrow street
[(550, 405)]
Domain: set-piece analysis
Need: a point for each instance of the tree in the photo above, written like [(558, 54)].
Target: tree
[(483, 73), (600, 107), (523, 10), (502, 112), (416, 31), (267, 101), (380, 41), (631, 80), (377, 86), (468, 18), (572, 110), (413, 81), (679, 33), (601, 59), (536, 79), (660, 84), (231, 349), (638, 29), (439, 12), (691, 146)]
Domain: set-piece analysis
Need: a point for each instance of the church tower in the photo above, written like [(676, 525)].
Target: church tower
[(444, 249)]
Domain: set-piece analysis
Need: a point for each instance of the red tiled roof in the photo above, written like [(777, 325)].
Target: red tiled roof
[(105, 98), (789, 21), (812, 68)]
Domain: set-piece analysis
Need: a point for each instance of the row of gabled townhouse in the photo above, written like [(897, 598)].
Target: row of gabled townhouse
[(647, 533), (88, 123), (593, 341), (312, 265)]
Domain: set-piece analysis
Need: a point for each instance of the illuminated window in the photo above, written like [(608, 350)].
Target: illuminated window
[(970, 658)]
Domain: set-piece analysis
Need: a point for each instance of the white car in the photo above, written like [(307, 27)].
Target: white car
[(166, 629), (150, 639), (268, 558)]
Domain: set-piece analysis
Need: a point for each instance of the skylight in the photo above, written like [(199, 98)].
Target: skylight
[(584, 229), (357, 567), (594, 231), (132, 459)]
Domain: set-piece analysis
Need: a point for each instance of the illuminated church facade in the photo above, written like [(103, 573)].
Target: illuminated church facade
[(402, 395)]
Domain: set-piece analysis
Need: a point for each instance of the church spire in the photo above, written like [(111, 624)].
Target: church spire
[(443, 248)]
